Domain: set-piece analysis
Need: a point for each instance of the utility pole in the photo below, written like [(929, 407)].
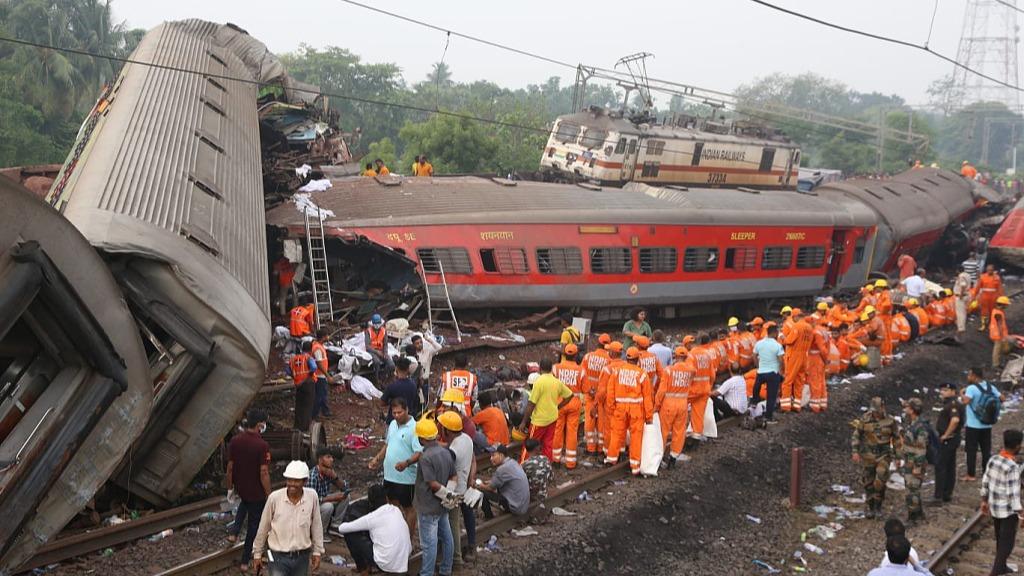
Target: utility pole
[(881, 138)]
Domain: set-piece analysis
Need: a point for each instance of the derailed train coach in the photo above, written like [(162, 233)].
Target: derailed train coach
[(165, 185)]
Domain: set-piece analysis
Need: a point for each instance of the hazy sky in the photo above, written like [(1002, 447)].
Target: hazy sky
[(716, 44)]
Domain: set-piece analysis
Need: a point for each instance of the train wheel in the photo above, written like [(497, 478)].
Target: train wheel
[(317, 439)]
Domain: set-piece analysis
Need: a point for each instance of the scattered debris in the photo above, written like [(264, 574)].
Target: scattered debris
[(762, 564), (527, 531), (557, 511), (753, 519), (338, 560)]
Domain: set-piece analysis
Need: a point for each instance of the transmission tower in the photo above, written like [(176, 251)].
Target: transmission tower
[(988, 44)]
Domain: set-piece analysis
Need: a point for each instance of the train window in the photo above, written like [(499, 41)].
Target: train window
[(767, 159), (858, 251), (776, 257), (620, 147), (632, 146), (650, 169), (559, 261), (741, 258), (504, 260), (655, 147), (698, 149), (451, 260), (657, 260), (610, 260), (810, 257), (567, 132), (593, 137), (700, 260)]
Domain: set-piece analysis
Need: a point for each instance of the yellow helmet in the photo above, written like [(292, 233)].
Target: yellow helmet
[(450, 421), (427, 429), (786, 310), (869, 309), (869, 287), (822, 306), (453, 396), (911, 302), (734, 321), (973, 306), (1003, 300), (864, 317), (863, 360), (947, 292), (881, 283)]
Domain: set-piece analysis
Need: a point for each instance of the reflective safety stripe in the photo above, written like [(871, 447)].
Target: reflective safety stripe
[(815, 352), (676, 395), (988, 289), (702, 378), (629, 400)]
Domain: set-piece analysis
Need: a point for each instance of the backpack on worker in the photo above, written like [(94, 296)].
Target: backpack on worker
[(934, 444), (989, 405)]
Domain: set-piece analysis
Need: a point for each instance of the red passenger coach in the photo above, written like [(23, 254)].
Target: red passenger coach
[(504, 243)]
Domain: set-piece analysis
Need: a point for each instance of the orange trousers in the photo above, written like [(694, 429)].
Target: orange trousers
[(673, 416), (885, 350), (590, 430), (816, 378), (793, 384), (698, 404), (567, 430), (604, 430), (985, 305), (631, 417)]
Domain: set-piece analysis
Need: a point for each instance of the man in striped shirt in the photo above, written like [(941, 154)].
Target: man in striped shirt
[(1000, 497)]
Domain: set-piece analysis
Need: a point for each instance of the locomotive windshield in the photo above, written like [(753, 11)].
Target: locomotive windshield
[(567, 132), (594, 137)]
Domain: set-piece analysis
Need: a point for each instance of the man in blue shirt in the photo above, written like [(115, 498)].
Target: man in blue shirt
[(979, 434), (399, 456), (769, 355)]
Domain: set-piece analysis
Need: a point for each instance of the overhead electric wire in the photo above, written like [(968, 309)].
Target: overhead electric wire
[(1008, 5), (879, 37)]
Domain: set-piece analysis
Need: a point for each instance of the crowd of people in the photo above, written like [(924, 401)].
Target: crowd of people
[(614, 387), (420, 167)]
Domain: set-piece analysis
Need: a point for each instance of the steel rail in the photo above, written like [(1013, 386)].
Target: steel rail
[(952, 547)]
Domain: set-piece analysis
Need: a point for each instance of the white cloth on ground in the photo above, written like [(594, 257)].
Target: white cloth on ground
[(365, 388), (316, 186)]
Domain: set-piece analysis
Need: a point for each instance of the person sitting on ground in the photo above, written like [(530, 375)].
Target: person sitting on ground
[(897, 550), (453, 401), (403, 387), (895, 527), (379, 539), (376, 343), (730, 399), (321, 478), (491, 420), (509, 486), (538, 469)]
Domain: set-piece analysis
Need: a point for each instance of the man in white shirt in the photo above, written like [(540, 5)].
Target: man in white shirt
[(388, 545), (730, 399), (895, 527), (962, 293), (914, 285)]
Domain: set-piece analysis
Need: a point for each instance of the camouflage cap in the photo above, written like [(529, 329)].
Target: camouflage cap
[(914, 404), (877, 403)]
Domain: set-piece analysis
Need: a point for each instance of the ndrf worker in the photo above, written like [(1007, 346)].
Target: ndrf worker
[(923, 322), (988, 288), (593, 363), (630, 404), (883, 305), (567, 427), (998, 333), (817, 359), (798, 343), (648, 361), (461, 379), (702, 358), (671, 403), (600, 411)]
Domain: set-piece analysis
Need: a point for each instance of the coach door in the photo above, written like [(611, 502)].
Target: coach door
[(835, 258), (629, 162)]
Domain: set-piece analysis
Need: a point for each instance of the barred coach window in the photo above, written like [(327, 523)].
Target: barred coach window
[(700, 259), (504, 260), (452, 260), (776, 257), (559, 261), (610, 261), (810, 257), (658, 260)]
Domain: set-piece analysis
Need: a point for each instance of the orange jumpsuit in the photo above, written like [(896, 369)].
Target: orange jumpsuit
[(567, 427), (463, 380), (301, 321), (922, 320), (849, 348), (652, 366), (839, 315), (592, 365), (630, 403), (988, 288), (868, 299), (750, 377), (937, 313), (711, 351), (883, 304), (723, 356), (747, 340), (816, 358), (732, 349), (703, 378), (798, 343), (671, 403), (603, 422), (835, 360), (899, 329)]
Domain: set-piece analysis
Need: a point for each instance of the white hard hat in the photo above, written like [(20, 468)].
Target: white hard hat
[(532, 378), (296, 470)]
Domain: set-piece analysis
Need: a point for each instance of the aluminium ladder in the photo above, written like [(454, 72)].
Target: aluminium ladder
[(439, 303), (316, 249)]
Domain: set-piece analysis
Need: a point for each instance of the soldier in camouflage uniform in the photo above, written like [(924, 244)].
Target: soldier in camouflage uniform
[(914, 440), (875, 440)]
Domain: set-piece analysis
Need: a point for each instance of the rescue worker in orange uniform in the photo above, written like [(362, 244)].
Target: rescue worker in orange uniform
[(899, 330), (883, 305), (746, 343), (732, 343), (689, 341), (321, 376), (849, 347), (722, 348), (376, 343), (710, 349), (817, 357), (302, 367), (600, 411), (872, 332), (838, 315), (461, 379), (702, 356), (787, 320), (914, 308), (630, 403), (567, 427), (648, 361), (998, 333), (936, 308), (300, 321), (671, 402), (593, 363), (985, 292), (798, 343), (750, 378), (968, 171), (867, 298), (834, 364), (949, 301), (757, 327)]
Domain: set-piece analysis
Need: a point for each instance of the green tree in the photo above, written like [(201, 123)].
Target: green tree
[(385, 150), (453, 145)]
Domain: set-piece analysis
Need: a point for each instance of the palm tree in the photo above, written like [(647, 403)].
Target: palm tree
[(440, 75)]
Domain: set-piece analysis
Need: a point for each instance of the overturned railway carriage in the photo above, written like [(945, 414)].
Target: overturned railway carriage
[(74, 386), (505, 243), (1008, 242), (609, 149)]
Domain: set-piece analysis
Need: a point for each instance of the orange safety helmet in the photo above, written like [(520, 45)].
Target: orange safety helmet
[(689, 339), (633, 353), (615, 346), (642, 341), (680, 351), (571, 349), (757, 321), (604, 339)]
